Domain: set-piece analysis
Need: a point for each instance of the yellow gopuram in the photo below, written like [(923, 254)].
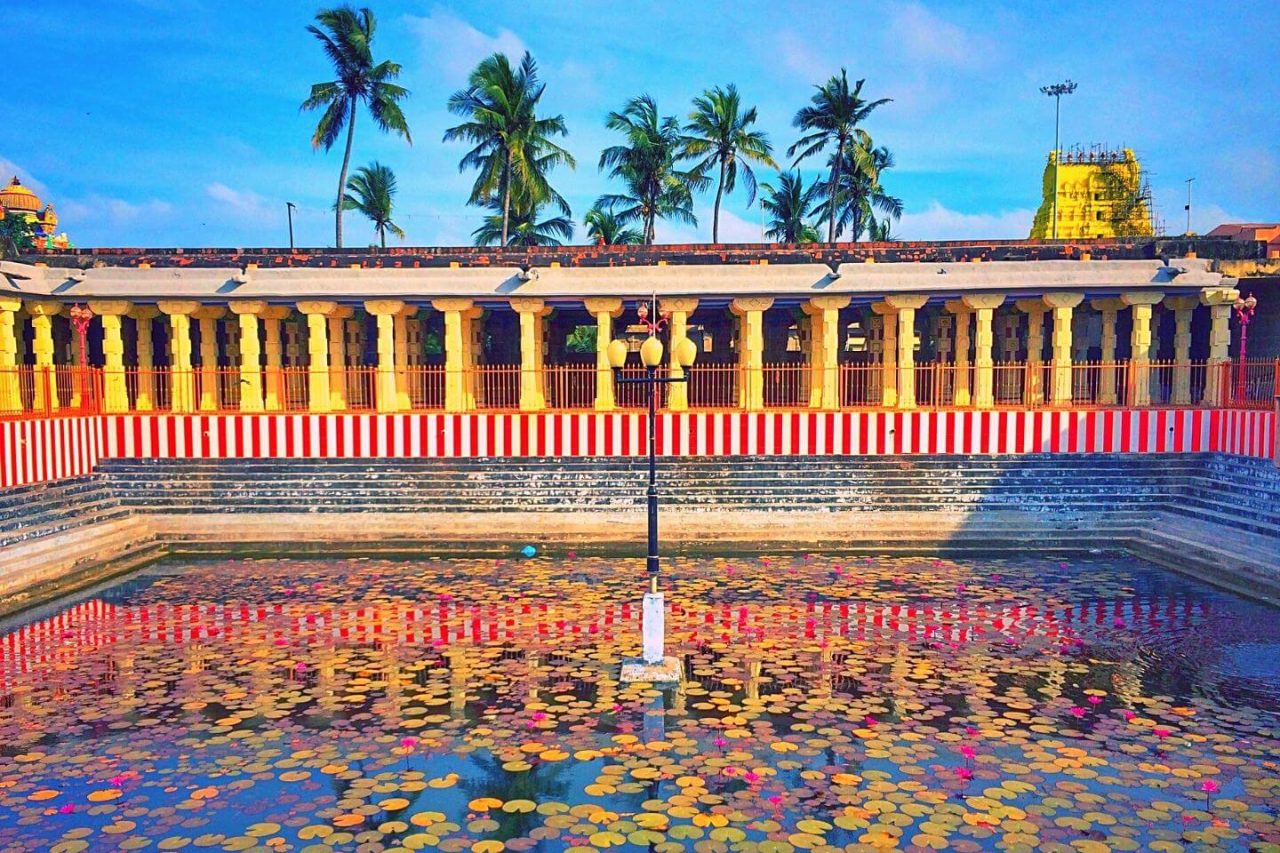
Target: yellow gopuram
[(1100, 196)]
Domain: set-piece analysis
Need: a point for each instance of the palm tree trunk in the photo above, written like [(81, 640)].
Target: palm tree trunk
[(506, 198), (382, 232), (715, 217), (342, 179), (835, 183)]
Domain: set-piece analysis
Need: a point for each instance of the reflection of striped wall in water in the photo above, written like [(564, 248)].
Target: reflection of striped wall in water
[(95, 624), (46, 450)]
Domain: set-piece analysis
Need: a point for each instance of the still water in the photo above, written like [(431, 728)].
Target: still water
[(831, 702)]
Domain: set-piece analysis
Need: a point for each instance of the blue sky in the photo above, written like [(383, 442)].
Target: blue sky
[(176, 122)]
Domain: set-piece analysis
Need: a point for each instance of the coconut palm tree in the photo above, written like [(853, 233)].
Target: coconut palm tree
[(718, 133), (833, 118), (522, 227), (372, 192), (605, 229), (861, 196), (655, 187), (789, 204), (513, 149), (881, 231), (347, 37)]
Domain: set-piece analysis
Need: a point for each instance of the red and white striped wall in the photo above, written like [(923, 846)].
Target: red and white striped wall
[(41, 450), (1244, 433)]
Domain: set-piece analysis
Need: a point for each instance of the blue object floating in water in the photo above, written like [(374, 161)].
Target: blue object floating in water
[(529, 550)]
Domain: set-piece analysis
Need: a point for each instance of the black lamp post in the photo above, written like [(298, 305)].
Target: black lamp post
[(651, 356)]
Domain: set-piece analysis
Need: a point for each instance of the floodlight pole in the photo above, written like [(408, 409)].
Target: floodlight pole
[(289, 206), (1188, 205), (1056, 91)]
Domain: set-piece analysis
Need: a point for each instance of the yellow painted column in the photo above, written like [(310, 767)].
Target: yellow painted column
[(115, 391), (273, 351), (888, 354), (338, 357), (74, 359), (604, 310), (1141, 303), (10, 386), (906, 306), (385, 311), (456, 350), (1219, 301), (751, 311), (827, 339), (531, 312), (317, 314), (1109, 309), (960, 351), (401, 335), (473, 345), (1034, 388), (983, 306), (247, 314), (1063, 306), (208, 316), (181, 380), (1183, 307), (144, 388), (44, 377), (678, 310)]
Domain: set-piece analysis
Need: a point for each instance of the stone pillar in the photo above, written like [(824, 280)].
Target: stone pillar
[(44, 377), (208, 316), (247, 314), (961, 395), (1063, 306), (400, 329), (1183, 307), (603, 310), (317, 314), (983, 306), (273, 350), (10, 386), (115, 392), (75, 358), (1219, 301), (750, 311), (531, 313), (181, 381), (456, 349), (1108, 308), (385, 311), (144, 391), (337, 322), (678, 309), (875, 347), (824, 362), (1141, 303), (1033, 389), (906, 306), (889, 355)]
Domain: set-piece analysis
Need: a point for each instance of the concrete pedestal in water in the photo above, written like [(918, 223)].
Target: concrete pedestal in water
[(654, 666)]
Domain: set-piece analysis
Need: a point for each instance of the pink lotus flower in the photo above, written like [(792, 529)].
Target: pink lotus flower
[(1161, 733), (539, 716), (751, 776), (1129, 716), (1119, 623), (720, 742), (1095, 700), (1077, 711), (66, 809), (869, 720), (1209, 786), (117, 781), (964, 773), (408, 742), (776, 799), (730, 771), (967, 751)]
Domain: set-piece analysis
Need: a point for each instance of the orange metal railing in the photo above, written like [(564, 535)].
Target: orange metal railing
[(46, 392)]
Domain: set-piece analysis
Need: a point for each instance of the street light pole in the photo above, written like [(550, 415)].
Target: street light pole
[(1188, 205), (81, 316), (1244, 314), (1056, 91), (654, 665), (289, 206)]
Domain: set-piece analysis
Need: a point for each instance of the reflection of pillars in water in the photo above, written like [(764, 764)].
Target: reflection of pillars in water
[(126, 684), (753, 667), (532, 675), (678, 700), (823, 687), (899, 683), (392, 690), (195, 656), (1056, 678), (457, 681), (655, 723), (1126, 682), (606, 691), (326, 689)]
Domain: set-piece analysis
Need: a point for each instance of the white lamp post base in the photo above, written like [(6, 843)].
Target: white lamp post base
[(654, 666)]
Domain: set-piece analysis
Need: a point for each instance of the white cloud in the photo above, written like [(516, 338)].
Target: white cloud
[(922, 36), (733, 229), (96, 211), (801, 56), (936, 222), (245, 204), (454, 46), (9, 169)]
